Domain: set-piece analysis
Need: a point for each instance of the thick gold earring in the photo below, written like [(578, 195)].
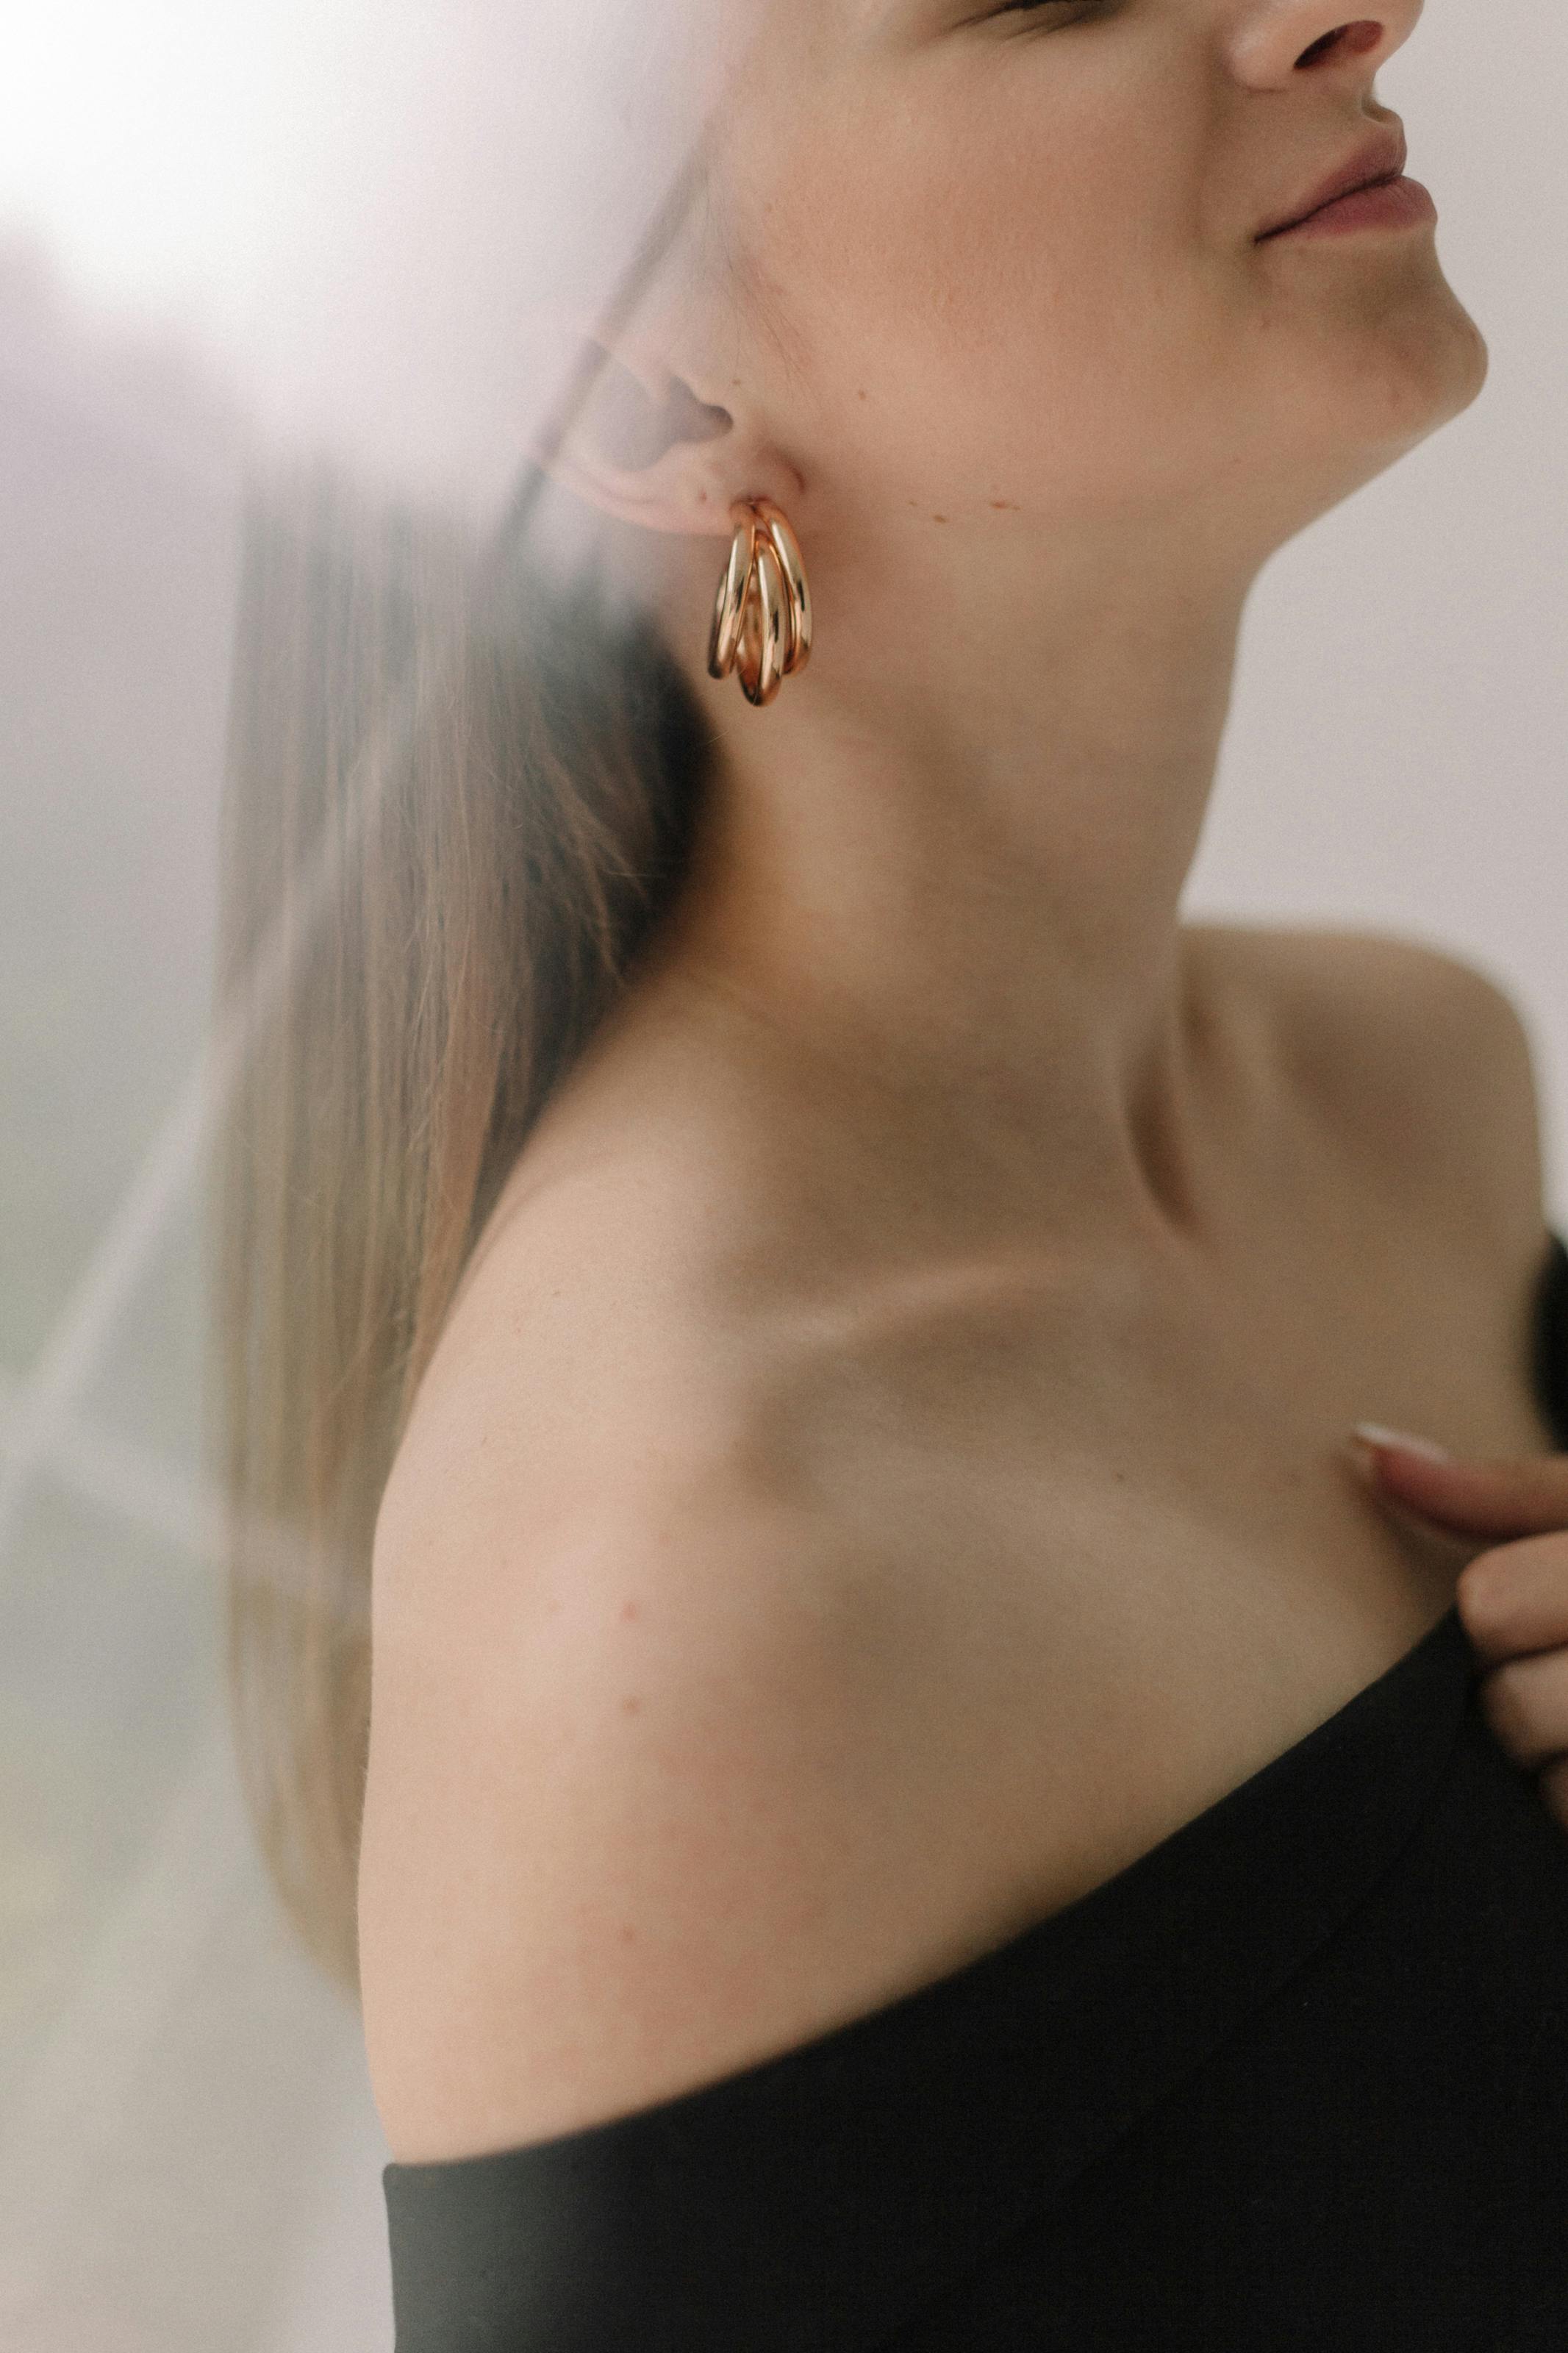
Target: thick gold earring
[(761, 613)]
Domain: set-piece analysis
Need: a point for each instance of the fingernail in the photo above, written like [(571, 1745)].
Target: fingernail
[(1374, 1434)]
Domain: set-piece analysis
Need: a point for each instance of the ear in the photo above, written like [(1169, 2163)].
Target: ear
[(637, 441)]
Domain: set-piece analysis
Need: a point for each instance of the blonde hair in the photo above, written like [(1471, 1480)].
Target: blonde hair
[(460, 792)]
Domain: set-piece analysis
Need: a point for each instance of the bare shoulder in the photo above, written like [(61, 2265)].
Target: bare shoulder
[(1421, 1060), (631, 1770)]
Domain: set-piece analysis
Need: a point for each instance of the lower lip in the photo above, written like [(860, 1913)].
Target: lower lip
[(1393, 204)]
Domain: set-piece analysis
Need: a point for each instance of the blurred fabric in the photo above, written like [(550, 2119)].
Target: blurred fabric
[(182, 2102)]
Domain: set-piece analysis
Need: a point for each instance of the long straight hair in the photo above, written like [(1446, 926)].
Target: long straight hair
[(461, 789)]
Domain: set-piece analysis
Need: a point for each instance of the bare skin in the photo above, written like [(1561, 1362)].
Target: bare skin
[(822, 1314), (957, 1568), (946, 1261)]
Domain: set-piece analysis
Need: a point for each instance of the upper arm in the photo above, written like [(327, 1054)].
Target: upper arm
[(1428, 1064), (625, 1827)]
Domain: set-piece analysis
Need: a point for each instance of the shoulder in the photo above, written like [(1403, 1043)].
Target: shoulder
[(1419, 1060), (625, 1741), (1332, 972)]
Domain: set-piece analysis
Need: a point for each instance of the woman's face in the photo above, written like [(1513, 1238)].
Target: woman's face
[(1000, 259)]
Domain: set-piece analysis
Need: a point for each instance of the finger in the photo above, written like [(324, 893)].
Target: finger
[(1515, 1599), (1476, 1495), (1525, 1702)]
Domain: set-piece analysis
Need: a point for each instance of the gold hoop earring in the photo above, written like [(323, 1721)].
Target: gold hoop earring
[(761, 613)]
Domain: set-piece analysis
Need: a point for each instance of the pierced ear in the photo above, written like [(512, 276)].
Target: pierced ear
[(640, 446)]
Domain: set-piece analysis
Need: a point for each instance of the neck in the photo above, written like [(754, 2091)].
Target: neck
[(948, 864)]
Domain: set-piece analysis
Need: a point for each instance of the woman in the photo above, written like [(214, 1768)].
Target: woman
[(911, 1801)]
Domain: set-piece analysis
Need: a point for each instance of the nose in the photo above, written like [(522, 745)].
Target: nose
[(1279, 41)]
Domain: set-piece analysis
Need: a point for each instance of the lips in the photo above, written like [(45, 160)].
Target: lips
[(1380, 157)]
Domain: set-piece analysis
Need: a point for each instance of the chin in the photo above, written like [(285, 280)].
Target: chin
[(1477, 354), (1462, 381), (1409, 368), (1337, 426)]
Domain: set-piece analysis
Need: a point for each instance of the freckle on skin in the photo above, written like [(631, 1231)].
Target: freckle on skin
[(631, 1706), (939, 517), (1003, 506), (630, 1608)]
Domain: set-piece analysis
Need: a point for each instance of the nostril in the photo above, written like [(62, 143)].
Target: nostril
[(1356, 40)]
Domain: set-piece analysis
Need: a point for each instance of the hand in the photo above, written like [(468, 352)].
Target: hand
[(1512, 1598)]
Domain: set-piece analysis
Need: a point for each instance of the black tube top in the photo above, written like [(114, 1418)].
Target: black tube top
[(1295, 2081)]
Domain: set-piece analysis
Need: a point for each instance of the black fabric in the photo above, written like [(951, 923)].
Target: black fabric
[(1295, 2081)]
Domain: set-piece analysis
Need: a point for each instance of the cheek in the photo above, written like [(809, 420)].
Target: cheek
[(985, 295)]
